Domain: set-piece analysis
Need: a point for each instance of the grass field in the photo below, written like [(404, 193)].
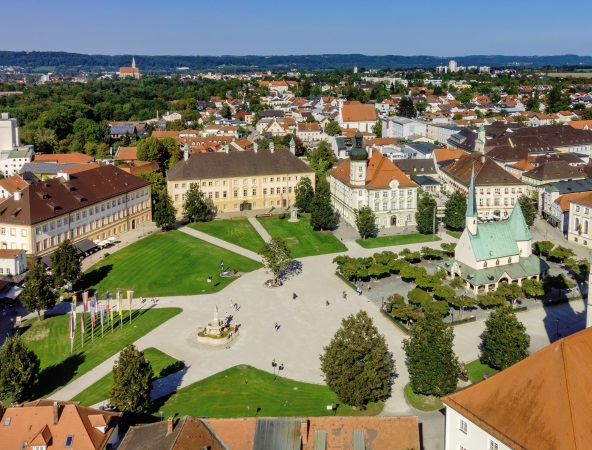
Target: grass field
[(420, 402), (228, 393), (454, 234), (402, 239), (303, 240), (477, 370), (99, 391), (239, 232), (163, 264), (49, 340)]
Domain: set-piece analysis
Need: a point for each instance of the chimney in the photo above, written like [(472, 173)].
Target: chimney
[(17, 194), (304, 432), (369, 152), (56, 413), (186, 152), (170, 425)]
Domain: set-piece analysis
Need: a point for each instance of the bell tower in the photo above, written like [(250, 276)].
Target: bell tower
[(471, 214), (358, 161)]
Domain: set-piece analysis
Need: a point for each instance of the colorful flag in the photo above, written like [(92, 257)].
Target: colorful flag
[(119, 303), (71, 325), (96, 296), (130, 294), (73, 312), (93, 309), (85, 301), (107, 295), (82, 323), (102, 313)]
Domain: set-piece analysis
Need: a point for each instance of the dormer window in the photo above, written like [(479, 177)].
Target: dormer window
[(497, 262)]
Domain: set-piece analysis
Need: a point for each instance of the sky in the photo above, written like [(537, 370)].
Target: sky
[(265, 27)]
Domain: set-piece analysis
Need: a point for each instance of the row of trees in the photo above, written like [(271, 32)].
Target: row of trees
[(358, 366)]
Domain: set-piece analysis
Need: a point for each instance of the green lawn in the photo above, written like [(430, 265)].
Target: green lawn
[(239, 232), (454, 234), (228, 393), (303, 240), (163, 264), (402, 239), (420, 402), (49, 340), (477, 369), (162, 364)]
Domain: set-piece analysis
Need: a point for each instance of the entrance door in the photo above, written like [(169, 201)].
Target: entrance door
[(393, 221), (134, 224)]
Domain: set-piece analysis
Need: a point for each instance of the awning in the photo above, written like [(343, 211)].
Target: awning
[(83, 246)]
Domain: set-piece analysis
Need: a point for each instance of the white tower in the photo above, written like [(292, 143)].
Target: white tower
[(133, 62), (480, 142), (358, 161), (471, 214)]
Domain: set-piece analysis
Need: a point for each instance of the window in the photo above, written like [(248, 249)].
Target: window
[(271, 191), (283, 190), (184, 185), (492, 445), (236, 193), (217, 183), (176, 197), (235, 182), (271, 180), (254, 192), (497, 262), (3, 230), (253, 181), (245, 192), (23, 232), (586, 210), (463, 426), (485, 267), (69, 440), (245, 181), (209, 183), (176, 185), (497, 191), (360, 193), (577, 208), (7, 421), (217, 195), (13, 231)]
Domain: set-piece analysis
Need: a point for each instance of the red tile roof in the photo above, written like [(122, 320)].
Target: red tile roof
[(380, 172), (358, 112), (126, 154), (62, 158), (543, 402)]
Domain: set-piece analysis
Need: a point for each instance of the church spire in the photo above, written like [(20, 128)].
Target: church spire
[(471, 214), (133, 62)]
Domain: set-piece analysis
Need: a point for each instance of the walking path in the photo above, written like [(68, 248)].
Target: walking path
[(220, 243), (262, 231)]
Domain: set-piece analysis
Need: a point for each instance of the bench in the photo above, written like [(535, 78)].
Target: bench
[(259, 216)]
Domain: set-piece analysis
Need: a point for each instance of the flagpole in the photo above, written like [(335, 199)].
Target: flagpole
[(102, 312), (82, 328), (71, 333)]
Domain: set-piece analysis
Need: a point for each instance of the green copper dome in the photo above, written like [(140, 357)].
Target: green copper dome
[(357, 152)]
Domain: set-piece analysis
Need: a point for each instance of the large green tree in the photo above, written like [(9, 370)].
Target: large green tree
[(19, 370), (132, 376), (406, 108), (164, 212), (321, 159), (357, 363), (322, 216), (365, 221), (454, 214), (504, 341), (195, 207), (527, 209), (304, 194), (151, 149), (332, 128), (65, 264), (276, 256), (424, 217), (38, 292), (431, 362), (377, 128)]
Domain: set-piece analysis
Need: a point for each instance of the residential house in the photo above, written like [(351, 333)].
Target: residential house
[(559, 214), (356, 115), (13, 155), (52, 425), (551, 172), (309, 133), (119, 130), (9, 185), (488, 254), (580, 219), (552, 191), (419, 150), (126, 154), (538, 403), (237, 181), (368, 178), (95, 204), (402, 127), (12, 262), (497, 191)]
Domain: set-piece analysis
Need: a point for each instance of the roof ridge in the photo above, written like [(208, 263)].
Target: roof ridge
[(571, 414)]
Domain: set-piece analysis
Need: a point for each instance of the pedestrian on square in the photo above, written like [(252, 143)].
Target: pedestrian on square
[(327, 303)]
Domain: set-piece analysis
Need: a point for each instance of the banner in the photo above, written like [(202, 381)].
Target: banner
[(130, 294), (85, 301), (82, 323), (93, 309), (70, 325), (102, 313), (73, 311), (119, 303)]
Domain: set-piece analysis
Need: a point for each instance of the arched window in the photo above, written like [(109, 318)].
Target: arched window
[(497, 262), (485, 265), (510, 260)]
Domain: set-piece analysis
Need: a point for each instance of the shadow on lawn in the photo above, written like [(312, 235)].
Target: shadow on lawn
[(93, 277), (58, 375)]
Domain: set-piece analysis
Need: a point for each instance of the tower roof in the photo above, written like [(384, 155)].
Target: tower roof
[(472, 201), (357, 152), (518, 224)]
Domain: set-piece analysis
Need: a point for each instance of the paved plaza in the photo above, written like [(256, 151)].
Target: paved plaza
[(306, 325)]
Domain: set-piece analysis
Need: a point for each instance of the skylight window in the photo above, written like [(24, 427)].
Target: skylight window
[(69, 440), (7, 421)]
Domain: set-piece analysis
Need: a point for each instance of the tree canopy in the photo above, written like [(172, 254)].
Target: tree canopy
[(528, 209), (38, 292), (65, 264), (164, 212), (304, 194), (276, 256), (19, 370), (504, 341), (454, 214), (322, 216), (425, 214), (431, 362), (406, 108), (365, 221), (321, 159), (333, 129), (195, 207), (357, 363), (132, 376)]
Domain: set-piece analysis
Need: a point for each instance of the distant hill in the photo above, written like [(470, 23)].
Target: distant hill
[(42, 61)]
